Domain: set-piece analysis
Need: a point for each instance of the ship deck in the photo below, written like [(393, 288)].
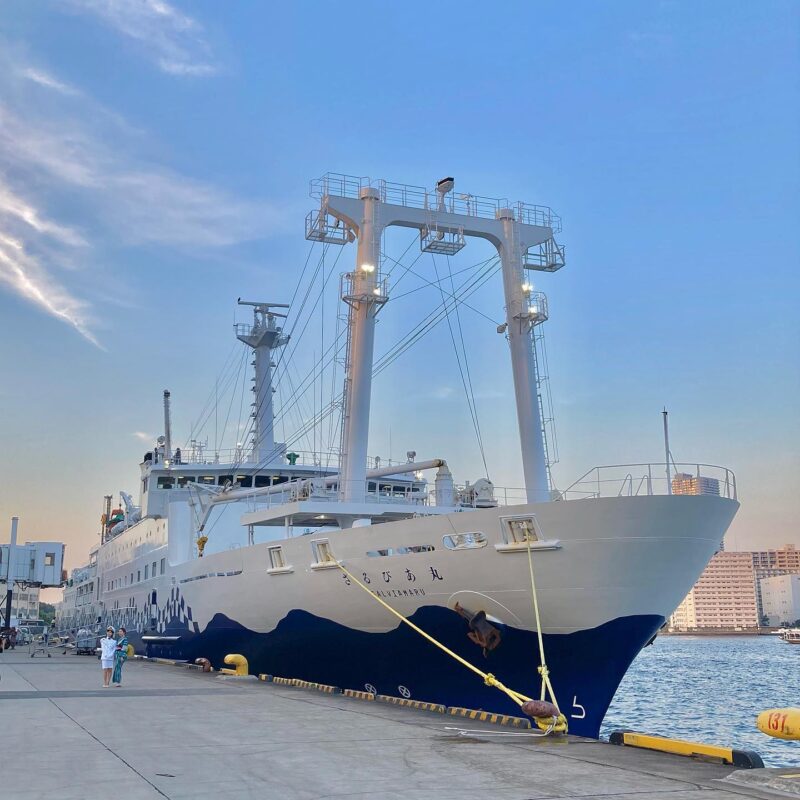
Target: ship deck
[(175, 733)]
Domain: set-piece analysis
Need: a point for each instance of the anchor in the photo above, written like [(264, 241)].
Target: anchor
[(481, 631)]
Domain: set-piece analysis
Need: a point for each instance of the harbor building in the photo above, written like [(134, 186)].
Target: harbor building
[(25, 603), (772, 563), (724, 597), (781, 599)]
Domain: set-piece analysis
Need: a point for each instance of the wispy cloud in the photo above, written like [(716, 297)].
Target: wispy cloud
[(48, 81), (66, 157), (147, 438), (173, 40), (25, 275), (13, 206)]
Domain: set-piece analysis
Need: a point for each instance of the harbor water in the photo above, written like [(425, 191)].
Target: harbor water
[(710, 689)]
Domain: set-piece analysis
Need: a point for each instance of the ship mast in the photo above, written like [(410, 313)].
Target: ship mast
[(263, 336), (358, 209), (363, 292)]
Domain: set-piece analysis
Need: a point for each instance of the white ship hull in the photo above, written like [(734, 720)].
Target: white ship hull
[(609, 571)]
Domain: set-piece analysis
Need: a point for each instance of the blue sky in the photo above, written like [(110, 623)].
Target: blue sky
[(154, 166)]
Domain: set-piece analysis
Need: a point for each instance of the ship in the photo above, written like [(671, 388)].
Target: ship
[(282, 556)]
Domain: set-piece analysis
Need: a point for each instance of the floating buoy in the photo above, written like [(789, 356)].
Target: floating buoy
[(782, 723)]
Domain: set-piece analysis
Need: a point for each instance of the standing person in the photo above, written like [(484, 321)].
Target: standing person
[(108, 646), (13, 638), (120, 656)]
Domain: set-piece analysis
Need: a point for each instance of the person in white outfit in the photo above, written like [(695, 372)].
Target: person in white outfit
[(107, 647)]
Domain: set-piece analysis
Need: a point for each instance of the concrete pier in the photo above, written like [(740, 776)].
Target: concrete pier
[(175, 733)]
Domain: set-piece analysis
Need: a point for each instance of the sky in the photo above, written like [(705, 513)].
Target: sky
[(154, 166)]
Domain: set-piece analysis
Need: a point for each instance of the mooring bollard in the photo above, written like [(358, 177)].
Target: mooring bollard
[(238, 662)]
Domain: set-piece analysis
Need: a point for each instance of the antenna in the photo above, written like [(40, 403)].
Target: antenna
[(667, 454)]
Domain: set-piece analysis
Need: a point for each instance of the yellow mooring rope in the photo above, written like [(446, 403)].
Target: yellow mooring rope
[(543, 670), (557, 726)]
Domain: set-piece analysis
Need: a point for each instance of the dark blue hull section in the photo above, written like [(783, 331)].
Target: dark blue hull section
[(585, 667)]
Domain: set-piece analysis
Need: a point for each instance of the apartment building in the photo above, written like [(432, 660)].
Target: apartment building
[(781, 599), (772, 563), (724, 596)]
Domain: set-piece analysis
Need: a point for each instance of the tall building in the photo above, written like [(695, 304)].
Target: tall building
[(683, 483), (724, 596), (781, 599), (771, 563), (786, 557)]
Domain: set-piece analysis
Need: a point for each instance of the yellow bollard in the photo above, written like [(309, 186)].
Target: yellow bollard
[(782, 723), (237, 661)]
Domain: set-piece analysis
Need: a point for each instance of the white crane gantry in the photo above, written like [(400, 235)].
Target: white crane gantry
[(358, 209)]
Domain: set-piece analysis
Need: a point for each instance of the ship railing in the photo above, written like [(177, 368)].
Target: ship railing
[(636, 480), (409, 196), (325, 459)]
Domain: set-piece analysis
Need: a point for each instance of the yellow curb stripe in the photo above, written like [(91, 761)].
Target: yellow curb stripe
[(488, 716), (419, 705), (358, 695)]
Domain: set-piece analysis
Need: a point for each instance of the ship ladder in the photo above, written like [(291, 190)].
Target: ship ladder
[(548, 724)]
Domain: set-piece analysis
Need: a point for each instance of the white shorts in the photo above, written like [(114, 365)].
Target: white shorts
[(108, 663)]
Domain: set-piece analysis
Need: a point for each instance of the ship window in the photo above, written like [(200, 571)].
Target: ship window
[(276, 558), (144, 484), (184, 479), (245, 481), (206, 479), (49, 559), (322, 551), (259, 481), (371, 486), (153, 571), (163, 564), (166, 482), (146, 570), (464, 541), (131, 577), (223, 479), (518, 530)]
